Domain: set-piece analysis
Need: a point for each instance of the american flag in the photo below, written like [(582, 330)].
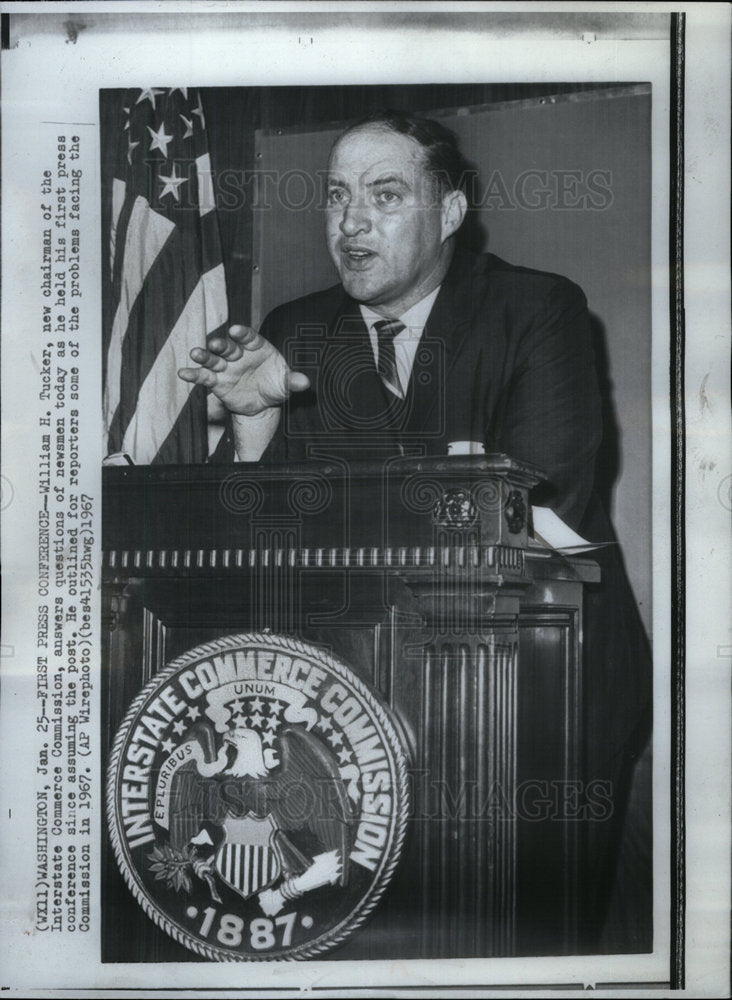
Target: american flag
[(167, 289)]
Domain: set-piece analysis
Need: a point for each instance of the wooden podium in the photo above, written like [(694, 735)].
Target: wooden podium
[(420, 575)]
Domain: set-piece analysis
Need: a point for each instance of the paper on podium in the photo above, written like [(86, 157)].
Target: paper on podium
[(551, 531)]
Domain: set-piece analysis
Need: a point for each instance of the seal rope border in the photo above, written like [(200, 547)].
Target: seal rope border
[(393, 738)]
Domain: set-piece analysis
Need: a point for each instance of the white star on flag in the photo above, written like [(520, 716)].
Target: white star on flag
[(149, 94), (198, 110), (183, 90), (160, 139), (130, 147), (171, 184), (189, 126)]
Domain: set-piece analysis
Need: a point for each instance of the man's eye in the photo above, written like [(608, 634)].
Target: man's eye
[(337, 196), (387, 198)]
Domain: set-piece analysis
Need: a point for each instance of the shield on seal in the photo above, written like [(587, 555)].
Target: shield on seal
[(247, 860)]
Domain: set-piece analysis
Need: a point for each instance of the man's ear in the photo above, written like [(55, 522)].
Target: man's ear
[(454, 207)]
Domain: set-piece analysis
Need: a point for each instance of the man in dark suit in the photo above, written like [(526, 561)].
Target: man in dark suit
[(422, 344), (509, 360)]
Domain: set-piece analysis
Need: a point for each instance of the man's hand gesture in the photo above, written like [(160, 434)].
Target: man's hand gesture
[(244, 371)]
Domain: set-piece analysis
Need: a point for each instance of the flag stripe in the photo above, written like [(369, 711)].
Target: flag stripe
[(184, 444), (118, 199), (120, 238), (206, 196), (169, 284), (160, 402), (147, 233)]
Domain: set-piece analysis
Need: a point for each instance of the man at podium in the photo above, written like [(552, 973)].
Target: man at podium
[(506, 356), (423, 343)]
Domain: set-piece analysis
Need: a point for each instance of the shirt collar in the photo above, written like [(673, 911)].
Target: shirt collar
[(415, 318)]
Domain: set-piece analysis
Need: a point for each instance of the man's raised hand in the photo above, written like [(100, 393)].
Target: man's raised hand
[(244, 371)]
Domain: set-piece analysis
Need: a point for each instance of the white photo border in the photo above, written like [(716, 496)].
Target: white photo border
[(93, 49)]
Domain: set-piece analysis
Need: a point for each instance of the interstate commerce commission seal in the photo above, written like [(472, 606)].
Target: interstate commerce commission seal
[(257, 799)]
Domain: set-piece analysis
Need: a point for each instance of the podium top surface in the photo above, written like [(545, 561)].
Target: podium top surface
[(522, 473)]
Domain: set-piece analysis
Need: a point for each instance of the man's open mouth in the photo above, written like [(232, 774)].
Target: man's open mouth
[(356, 256)]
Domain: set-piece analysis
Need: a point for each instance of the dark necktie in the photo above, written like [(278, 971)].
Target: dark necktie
[(386, 331)]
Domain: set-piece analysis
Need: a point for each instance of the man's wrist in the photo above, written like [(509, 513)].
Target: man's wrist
[(253, 433)]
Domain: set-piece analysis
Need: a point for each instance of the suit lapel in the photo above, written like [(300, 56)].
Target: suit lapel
[(446, 330)]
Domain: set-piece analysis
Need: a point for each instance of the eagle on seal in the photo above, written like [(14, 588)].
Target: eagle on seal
[(255, 816)]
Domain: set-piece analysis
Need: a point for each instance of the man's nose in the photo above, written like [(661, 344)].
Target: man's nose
[(355, 219)]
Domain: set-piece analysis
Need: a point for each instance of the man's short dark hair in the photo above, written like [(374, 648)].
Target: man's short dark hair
[(443, 158)]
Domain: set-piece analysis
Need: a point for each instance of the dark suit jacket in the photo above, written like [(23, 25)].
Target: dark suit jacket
[(505, 358)]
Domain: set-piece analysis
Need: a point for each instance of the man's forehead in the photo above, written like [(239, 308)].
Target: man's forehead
[(368, 153)]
